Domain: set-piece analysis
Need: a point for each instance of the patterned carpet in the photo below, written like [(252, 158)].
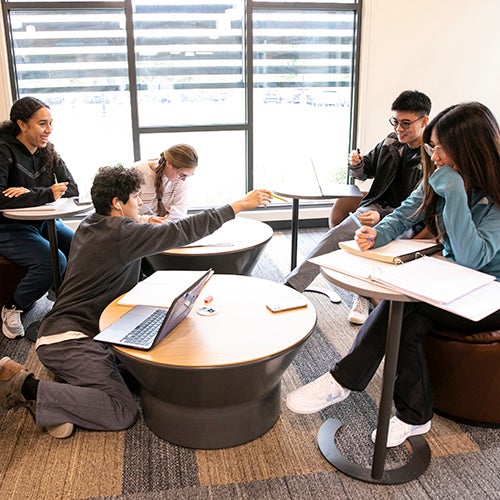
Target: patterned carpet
[(284, 463)]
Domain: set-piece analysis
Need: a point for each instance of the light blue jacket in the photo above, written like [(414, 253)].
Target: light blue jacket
[(471, 234)]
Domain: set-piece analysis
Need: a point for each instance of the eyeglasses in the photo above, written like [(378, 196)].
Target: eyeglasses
[(405, 124), (182, 176), (431, 149)]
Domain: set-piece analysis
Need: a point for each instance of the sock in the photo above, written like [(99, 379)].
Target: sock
[(30, 388)]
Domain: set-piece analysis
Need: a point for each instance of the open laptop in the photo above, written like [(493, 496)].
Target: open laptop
[(143, 327)]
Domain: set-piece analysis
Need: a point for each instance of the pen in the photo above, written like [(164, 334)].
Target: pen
[(150, 212), (356, 220), (278, 197)]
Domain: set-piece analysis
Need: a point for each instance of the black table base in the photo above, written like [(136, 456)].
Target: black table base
[(417, 465)]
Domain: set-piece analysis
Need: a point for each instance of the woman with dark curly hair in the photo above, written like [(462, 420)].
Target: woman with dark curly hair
[(31, 174)]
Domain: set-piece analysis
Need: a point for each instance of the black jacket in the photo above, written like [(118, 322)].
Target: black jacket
[(381, 165), (20, 168)]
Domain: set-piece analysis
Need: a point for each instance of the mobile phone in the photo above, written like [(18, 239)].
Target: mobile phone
[(286, 304)]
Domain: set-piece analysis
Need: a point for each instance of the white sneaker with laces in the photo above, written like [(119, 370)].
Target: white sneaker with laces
[(317, 395), (12, 327), (399, 431), (359, 311)]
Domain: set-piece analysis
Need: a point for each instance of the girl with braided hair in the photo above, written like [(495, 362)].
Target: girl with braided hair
[(164, 191)]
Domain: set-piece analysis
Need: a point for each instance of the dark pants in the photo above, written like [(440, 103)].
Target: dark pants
[(93, 394), (27, 245), (412, 390)]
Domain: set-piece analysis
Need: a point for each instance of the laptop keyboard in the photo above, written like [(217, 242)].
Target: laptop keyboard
[(147, 330)]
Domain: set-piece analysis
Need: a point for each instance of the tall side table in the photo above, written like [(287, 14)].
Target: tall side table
[(67, 209), (328, 192), (214, 381), (420, 458)]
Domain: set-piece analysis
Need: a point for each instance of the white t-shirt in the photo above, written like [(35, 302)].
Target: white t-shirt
[(175, 194)]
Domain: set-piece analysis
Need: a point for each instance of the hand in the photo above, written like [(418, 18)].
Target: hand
[(14, 192), (369, 218), (354, 158), (253, 199), (154, 219), (59, 189), (365, 237)]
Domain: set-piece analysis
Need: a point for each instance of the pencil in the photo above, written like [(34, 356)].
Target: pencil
[(278, 197)]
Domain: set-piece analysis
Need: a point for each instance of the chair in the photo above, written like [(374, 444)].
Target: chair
[(10, 276), (465, 375)]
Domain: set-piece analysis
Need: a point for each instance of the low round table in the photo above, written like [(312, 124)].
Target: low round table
[(215, 381), (232, 249)]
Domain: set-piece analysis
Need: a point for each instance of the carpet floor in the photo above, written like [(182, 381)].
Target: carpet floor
[(284, 463)]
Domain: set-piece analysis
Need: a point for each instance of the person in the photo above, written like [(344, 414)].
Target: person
[(395, 165), (165, 192), (104, 262), (31, 174), (459, 199)]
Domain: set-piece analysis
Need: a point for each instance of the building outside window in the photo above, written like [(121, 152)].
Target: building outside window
[(263, 90)]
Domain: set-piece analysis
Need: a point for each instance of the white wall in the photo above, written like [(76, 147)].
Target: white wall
[(445, 48)]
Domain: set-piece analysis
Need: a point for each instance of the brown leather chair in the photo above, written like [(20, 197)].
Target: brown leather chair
[(10, 276), (465, 375)]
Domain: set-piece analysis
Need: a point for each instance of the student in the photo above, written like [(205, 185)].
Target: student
[(31, 174), (165, 192), (460, 199), (396, 168), (104, 263)]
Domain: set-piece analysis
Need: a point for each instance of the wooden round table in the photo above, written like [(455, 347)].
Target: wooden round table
[(232, 249), (215, 381)]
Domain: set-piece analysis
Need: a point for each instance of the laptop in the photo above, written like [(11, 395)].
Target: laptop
[(143, 327)]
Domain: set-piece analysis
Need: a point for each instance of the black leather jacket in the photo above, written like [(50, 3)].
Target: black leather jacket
[(381, 165)]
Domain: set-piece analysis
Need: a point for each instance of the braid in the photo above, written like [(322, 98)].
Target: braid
[(162, 163)]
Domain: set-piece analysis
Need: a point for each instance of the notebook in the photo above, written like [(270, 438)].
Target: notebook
[(143, 327), (395, 252)]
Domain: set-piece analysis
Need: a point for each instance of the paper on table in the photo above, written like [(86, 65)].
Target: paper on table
[(47, 207), (159, 291), (478, 304), (433, 280), (475, 304), (348, 263)]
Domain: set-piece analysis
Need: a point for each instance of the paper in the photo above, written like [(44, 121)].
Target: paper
[(477, 304), (160, 289), (395, 252), (437, 281), (353, 265), (48, 207)]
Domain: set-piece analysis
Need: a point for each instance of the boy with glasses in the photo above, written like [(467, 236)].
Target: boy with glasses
[(395, 167)]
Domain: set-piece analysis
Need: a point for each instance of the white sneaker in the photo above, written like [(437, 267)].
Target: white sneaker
[(12, 327), (359, 311), (399, 431), (317, 395)]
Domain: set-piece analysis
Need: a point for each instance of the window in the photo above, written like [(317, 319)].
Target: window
[(262, 90)]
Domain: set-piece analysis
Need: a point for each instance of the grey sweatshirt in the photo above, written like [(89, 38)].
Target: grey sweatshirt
[(105, 262)]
